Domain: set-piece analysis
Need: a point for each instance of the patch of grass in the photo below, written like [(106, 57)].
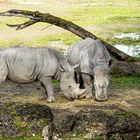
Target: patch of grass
[(126, 41), (123, 82), (65, 38), (80, 137), (47, 39), (37, 137), (69, 39), (105, 14), (59, 41), (14, 42)]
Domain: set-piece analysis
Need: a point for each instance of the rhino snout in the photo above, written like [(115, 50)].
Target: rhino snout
[(79, 93), (101, 99)]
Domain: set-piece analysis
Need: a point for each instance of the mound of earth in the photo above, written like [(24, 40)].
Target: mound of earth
[(28, 119), (23, 119), (99, 124)]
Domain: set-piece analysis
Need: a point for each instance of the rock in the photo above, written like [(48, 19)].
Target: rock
[(45, 133), (98, 123)]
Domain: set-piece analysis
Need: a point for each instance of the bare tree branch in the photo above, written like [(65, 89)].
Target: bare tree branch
[(46, 17), (23, 25), (21, 13)]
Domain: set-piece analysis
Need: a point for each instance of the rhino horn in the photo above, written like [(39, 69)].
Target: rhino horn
[(76, 66)]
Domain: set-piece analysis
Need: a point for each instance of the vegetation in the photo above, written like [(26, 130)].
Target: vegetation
[(22, 138), (105, 19), (124, 82)]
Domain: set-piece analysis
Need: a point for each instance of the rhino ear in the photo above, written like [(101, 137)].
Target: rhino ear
[(61, 68), (65, 67)]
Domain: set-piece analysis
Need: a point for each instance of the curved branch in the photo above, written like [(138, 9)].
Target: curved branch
[(23, 25), (70, 26)]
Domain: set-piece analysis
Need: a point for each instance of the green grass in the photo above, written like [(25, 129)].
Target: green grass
[(21, 138), (124, 82), (64, 39), (108, 15), (126, 41), (102, 18)]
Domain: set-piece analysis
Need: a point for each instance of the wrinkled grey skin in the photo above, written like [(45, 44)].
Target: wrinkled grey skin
[(26, 65), (91, 59)]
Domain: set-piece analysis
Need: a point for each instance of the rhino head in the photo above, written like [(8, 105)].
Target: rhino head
[(100, 63), (68, 85), (101, 82)]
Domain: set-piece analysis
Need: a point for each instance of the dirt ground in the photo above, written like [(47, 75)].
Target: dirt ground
[(30, 93)]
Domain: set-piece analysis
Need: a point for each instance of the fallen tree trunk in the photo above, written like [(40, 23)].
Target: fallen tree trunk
[(122, 68), (125, 61)]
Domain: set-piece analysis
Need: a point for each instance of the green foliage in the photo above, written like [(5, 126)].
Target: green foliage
[(65, 38), (37, 137), (124, 82), (126, 41)]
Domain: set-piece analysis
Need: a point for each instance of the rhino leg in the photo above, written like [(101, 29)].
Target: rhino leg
[(79, 79), (76, 77), (44, 92), (88, 85), (3, 71), (82, 86), (47, 82)]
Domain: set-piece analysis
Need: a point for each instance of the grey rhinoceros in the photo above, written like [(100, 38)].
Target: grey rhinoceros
[(26, 65), (92, 60)]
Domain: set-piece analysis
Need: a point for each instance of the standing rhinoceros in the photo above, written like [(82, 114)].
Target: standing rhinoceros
[(26, 65), (92, 60)]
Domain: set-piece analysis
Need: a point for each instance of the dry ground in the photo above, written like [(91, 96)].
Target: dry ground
[(128, 99)]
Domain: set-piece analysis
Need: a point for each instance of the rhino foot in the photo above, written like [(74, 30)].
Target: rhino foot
[(101, 99), (51, 99), (88, 96), (43, 98)]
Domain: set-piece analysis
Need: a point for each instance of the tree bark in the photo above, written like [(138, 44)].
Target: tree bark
[(123, 64), (123, 68)]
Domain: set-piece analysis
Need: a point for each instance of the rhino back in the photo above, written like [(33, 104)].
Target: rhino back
[(26, 64), (98, 53), (73, 55), (78, 54), (88, 52), (77, 51)]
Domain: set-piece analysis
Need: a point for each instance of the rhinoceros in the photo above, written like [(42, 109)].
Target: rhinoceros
[(26, 65), (92, 60)]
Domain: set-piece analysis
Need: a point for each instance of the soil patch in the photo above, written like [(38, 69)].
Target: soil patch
[(18, 119), (116, 124), (24, 114)]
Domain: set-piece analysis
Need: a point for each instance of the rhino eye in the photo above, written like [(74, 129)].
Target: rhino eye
[(69, 86)]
